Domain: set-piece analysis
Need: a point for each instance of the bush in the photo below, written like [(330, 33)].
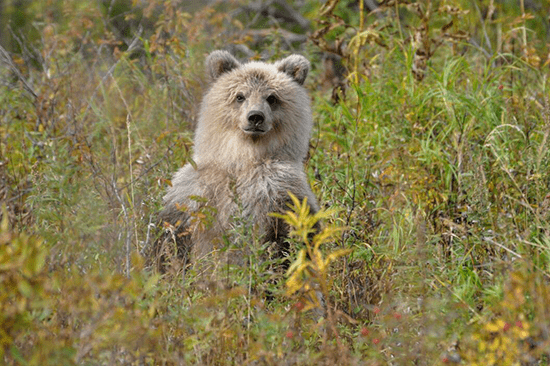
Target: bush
[(429, 156)]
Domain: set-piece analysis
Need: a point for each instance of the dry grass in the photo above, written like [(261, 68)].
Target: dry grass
[(432, 156)]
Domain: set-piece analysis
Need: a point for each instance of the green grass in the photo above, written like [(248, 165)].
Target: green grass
[(439, 188)]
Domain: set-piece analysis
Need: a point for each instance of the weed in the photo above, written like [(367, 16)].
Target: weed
[(430, 159)]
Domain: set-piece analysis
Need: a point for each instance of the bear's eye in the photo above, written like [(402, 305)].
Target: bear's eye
[(272, 99), (240, 98)]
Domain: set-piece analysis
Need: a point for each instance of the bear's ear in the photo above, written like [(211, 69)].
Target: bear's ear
[(219, 62), (295, 66)]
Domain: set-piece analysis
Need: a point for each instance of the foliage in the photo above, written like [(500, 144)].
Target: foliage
[(309, 273), (22, 260), (513, 337), (430, 158)]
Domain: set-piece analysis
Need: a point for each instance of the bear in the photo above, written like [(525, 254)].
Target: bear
[(250, 145)]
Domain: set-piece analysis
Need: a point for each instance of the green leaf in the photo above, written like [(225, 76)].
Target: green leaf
[(25, 288)]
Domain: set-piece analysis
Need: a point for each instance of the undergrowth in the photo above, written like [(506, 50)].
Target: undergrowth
[(430, 158)]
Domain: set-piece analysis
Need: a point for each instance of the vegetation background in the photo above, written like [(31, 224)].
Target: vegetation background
[(431, 149)]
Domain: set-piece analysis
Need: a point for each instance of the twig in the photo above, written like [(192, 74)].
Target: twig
[(285, 12), (128, 227), (109, 73), (523, 30), (7, 59), (487, 40), (148, 235), (491, 241)]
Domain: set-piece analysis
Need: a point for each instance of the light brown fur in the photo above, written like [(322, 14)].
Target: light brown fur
[(251, 140)]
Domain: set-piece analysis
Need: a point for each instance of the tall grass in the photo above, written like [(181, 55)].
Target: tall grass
[(431, 162)]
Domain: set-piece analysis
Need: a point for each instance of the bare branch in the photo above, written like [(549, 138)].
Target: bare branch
[(6, 58)]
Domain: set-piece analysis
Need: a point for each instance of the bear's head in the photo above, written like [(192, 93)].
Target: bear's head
[(254, 110)]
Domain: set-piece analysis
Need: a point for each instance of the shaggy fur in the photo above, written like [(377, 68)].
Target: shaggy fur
[(251, 140)]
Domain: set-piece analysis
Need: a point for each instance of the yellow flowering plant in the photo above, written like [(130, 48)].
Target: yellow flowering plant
[(308, 274)]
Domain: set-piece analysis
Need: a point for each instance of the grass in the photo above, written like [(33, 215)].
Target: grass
[(432, 168)]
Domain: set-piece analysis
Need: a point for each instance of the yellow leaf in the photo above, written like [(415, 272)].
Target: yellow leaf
[(299, 261), (494, 327), (337, 253)]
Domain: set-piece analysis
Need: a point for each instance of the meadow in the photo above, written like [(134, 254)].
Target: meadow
[(429, 156)]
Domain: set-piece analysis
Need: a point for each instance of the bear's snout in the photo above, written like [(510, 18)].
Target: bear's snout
[(256, 122), (256, 118)]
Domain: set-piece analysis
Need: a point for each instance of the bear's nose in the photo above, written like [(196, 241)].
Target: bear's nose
[(256, 117)]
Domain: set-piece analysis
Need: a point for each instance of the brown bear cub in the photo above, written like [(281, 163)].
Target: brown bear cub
[(251, 140)]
